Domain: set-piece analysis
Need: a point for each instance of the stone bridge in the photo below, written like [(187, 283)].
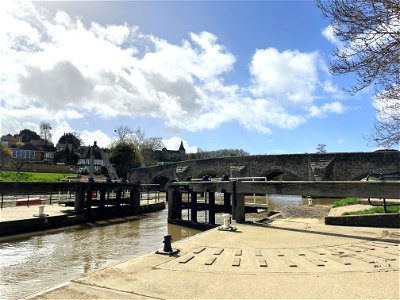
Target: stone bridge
[(301, 167)]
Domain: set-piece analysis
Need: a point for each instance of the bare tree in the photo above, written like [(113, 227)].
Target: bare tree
[(386, 127), (369, 35), (138, 138), (18, 164), (123, 133), (200, 154), (321, 148), (154, 143), (45, 131)]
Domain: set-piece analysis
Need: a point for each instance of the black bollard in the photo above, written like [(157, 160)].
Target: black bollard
[(167, 250)]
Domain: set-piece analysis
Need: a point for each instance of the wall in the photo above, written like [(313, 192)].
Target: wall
[(329, 166)]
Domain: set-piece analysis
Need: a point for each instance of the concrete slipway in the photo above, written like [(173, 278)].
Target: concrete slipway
[(287, 258)]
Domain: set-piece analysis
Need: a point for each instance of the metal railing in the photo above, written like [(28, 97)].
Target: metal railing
[(150, 192), (381, 177)]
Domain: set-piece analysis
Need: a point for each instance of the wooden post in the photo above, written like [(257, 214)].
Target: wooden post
[(193, 206), (227, 203), (211, 208), (134, 200), (240, 209), (174, 204), (118, 194), (102, 199), (178, 205), (79, 205), (88, 204), (234, 199), (170, 200)]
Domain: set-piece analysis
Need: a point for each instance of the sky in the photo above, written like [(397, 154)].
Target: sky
[(213, 74)]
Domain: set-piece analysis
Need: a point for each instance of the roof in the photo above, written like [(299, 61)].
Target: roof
[(29, 146), (181, 147)]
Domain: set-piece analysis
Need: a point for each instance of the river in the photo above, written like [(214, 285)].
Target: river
[(38, 261)]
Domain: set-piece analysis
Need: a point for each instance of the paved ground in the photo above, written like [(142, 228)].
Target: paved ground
[(287, 258)]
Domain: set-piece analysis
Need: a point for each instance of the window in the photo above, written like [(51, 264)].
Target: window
[(23, 154)]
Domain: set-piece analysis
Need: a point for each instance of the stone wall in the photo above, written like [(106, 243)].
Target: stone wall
[(329, 166)]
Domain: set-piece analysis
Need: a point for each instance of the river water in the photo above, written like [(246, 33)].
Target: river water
[(33, 263), (37, 261)]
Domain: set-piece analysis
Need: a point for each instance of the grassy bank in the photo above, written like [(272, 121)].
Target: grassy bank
[(12, 176), (345, 202), (374, 210)]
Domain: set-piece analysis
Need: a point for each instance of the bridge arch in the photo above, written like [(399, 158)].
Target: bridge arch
[(278, 174), (162, 181)]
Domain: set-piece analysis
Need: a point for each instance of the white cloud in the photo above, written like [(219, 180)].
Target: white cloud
[(89, 137), (323, 110), (59, 130), (54, 65), (328, 33), (289, 77), (174, 142)]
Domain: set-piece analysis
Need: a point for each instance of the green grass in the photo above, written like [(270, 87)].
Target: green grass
[(13, 176), (374, 210), (345, 201)]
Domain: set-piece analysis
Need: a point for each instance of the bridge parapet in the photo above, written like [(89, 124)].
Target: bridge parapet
[(298, 167)]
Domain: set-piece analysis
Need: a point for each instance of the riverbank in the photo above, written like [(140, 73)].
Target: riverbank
[(287, 258)]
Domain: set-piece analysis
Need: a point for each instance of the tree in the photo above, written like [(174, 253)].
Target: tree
[(28, 135), (386, 127), (125, 156), (71, 138), (123, 133), (138, 138), (18, 164), (45, 131), (66, 156), (321, 148), (218, 153), (369, 34)]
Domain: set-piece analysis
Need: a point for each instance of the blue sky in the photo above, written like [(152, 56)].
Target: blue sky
[(215, 74)]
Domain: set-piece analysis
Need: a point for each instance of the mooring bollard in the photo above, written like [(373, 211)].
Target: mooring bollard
[(167, 250), (41, 210), (227, 223), (41, 213)]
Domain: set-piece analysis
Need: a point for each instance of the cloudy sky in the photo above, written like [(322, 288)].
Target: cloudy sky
[(215, 74)]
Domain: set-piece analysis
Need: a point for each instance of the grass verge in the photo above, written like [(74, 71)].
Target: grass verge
[(13, 176), (374, 210), (345, 202)]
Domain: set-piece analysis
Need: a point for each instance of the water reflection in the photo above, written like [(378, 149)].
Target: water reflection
[(36, 262)]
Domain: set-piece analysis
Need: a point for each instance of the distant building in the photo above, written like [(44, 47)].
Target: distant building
[(9, 140), (34, 151), (84, 158), (154, 157)]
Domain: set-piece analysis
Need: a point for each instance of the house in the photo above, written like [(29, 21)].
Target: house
[(153, 157), (9, 140), (30, 151), (84, 158)]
